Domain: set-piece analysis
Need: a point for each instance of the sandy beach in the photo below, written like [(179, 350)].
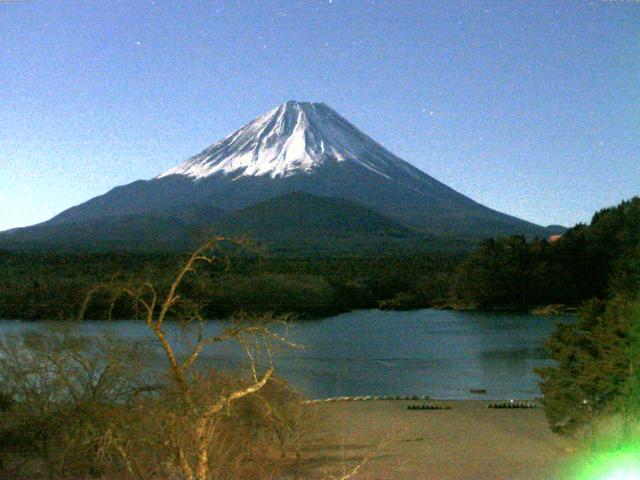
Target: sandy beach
[(469, 441)]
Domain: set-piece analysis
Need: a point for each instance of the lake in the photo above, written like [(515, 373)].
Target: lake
[(440, 353)]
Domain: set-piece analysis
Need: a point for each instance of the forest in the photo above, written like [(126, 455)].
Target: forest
[(508, 273)]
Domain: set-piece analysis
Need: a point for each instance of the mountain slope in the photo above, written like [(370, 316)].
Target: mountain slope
[(302, 147), (303, 215), (297, 223), (118, 233)]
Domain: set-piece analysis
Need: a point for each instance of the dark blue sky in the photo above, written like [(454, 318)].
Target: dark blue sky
[(530, 107)]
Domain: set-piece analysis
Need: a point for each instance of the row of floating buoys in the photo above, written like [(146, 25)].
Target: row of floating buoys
[(445, 406), (368, 397), (429, 406), (512, 404)]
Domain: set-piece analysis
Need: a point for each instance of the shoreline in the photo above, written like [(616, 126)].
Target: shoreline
[(538, 311), (536, 401)]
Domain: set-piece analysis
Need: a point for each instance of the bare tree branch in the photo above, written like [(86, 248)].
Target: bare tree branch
[(254, 336), (226, 401)]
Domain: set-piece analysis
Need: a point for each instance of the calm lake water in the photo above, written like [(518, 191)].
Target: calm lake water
[(439, 353)]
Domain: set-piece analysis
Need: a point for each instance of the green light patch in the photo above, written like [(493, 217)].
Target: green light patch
[(621, 464)]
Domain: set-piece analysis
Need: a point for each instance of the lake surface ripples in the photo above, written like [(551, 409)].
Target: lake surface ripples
[(439, 353)]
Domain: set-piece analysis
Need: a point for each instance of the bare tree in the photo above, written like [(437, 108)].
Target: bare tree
[(256, 336)]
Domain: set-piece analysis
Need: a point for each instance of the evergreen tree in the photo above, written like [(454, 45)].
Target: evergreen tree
[(597, 365)]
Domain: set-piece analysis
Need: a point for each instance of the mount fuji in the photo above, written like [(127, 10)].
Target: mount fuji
[(296, 148)]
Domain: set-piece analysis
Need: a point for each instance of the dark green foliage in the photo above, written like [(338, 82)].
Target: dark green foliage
[(598, 358), (53, 285), (498, 274), (597, 365), (268, 292), (586, 262), (6, 401), (136, 233)]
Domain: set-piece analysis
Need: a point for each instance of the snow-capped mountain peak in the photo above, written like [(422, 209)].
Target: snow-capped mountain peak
[(295, 137), (303, 148)]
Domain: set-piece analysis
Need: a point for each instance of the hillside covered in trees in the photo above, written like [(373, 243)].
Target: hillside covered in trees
[(588, 261)]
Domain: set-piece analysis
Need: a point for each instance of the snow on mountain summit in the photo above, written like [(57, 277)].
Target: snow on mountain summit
[(295, 137), (305, 148)]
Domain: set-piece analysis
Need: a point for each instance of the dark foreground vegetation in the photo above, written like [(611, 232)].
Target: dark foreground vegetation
[(90, 407)]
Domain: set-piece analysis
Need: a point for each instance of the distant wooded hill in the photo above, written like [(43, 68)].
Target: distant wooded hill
[(293, 224)]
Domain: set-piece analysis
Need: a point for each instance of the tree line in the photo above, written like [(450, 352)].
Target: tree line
[(52, 285), (512, 272), (588, 261)]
